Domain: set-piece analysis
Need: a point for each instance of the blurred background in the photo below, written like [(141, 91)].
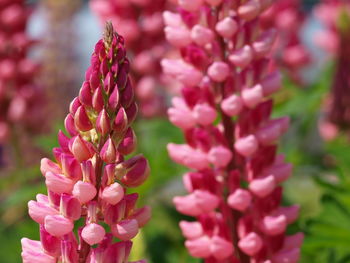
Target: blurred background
[(48, 44)]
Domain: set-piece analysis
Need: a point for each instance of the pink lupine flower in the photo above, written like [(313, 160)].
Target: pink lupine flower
[(91, 173), (141, 24), (231, 140), (21, 99)]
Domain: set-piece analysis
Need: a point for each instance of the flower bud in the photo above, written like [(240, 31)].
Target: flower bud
[(81, 120), (84, 191), (70, 126), (218, 71), (137, 171), (108, 152), (103, 125), (241, 57), (240, 199), (200, 247), (251, 244), (232, 105), (74, 105), (113, 193), (191, 230), (70, 207), (113, 99), (93, 233), (58, 183), (51, 244), (262, 187), (85, 95), (125, 229)]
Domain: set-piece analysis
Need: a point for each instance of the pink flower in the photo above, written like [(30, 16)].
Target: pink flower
[(82, 183), (233, 185)]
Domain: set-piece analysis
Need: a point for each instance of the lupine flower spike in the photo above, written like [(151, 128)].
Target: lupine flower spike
[(231, 141), (140, 22), (91, 175)]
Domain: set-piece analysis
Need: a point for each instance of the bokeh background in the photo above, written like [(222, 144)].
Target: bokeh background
[(67, 30)]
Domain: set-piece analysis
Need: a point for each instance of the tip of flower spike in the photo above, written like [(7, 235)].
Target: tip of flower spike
[(108, 33)]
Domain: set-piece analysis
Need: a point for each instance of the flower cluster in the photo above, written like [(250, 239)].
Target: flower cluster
[(231, 141), (20, 98), (91, 175), (334, 38), (140, 22), (288, 18)]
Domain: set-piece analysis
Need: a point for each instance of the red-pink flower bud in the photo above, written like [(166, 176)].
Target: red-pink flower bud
[(81, 120), (51, 244), (38, 211), (58, 183), (108, 152), (126, 229), (85, 95), (80, 149), (137, 171), (47, 165), (103, 125), (251, 244), (113, 193), (128, 144), (121, 121), (70, 207), (97, 100), (142, 215), (70, 126), (191, 230)]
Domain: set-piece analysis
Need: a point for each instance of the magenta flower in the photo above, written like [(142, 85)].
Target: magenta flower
[(140, 22), (224, 110), (90, 176)]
